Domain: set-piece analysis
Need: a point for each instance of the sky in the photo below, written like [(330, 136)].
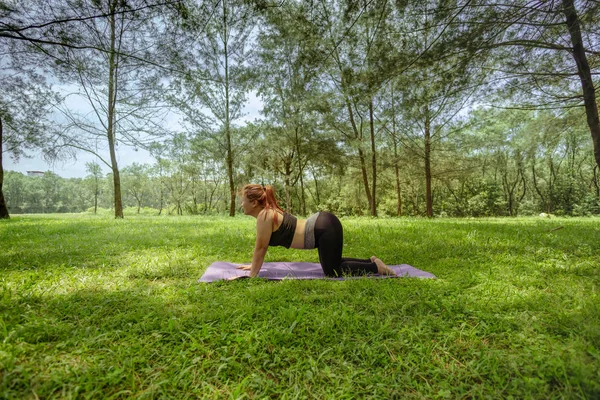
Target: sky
[(75, 168)]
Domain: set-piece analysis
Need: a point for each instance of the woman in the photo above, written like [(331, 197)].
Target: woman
[(275, 227)]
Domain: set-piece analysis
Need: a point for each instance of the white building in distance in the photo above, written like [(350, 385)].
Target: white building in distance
[(35, 173)]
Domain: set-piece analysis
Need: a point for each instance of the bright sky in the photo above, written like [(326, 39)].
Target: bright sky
[(125, 156)]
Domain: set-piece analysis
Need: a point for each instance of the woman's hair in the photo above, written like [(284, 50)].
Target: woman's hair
[(264, 195)]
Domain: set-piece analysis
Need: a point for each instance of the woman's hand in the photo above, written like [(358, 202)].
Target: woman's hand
[(244, 267)]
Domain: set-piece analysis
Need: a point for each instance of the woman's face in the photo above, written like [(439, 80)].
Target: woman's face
[(247, 205)]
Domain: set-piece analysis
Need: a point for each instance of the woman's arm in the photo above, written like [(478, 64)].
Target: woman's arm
[(264, 228)]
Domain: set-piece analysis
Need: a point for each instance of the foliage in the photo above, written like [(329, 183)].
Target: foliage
[(213, 53), (367, 105)]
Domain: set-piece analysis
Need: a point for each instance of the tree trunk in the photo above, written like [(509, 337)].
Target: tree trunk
[(227, 122), (363, 167), (550, 193), (230, 176), (416, 205), (302, 195), (595, 180), (361, 154), (96, 195), (524, 186), (212, 195), (3, 208), (287, 185), (161, 200), (373, 160), (205, 193), (585, 75), (316, 187), (117, 184), (301, 172), (511, 197), (428, 196), (535, 185), (398, 188), (112, 96), (195, 196), (396, 167)]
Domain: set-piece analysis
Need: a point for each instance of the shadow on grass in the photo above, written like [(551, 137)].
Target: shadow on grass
[(175, 339), (107, 244)]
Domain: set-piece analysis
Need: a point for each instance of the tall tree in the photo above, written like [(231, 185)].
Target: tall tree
[(584, 71), (391, 127), (3, 208), (94, 176), (25, 101), (177, 179), (214, 50), (59, 30), (287, 82), (118, 87), (159, 152), (437, 84), (542, 51), (357, 54), (137, 183)]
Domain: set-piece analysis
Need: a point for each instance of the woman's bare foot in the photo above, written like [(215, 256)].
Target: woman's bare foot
[(382, 269)]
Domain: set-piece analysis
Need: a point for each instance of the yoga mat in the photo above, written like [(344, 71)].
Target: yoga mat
[(221, 270)]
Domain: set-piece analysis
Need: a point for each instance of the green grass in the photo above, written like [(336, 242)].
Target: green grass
[(92, 307)]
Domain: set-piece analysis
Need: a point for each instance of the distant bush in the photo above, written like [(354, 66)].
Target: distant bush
[(528, 208), (589, 206), (99, 211), (131, 210), (389, 206)]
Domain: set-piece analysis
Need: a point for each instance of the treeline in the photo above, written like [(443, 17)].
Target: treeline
[(51, 193), (516, 163)]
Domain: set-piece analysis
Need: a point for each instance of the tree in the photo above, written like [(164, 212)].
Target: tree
[(287, 76), (214, 52), (437, 84), (177, 179), (95, 176), (209, 172), (504, 144), (25, 101), (390, 116), (535, 44), (137, 183), (55, 30), (585, 74), (118, 86), (3, 208), (13, 190), (355, 41), (158, 151), (48, 24)]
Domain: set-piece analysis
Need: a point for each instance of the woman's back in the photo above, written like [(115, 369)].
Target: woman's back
[(287, 231)]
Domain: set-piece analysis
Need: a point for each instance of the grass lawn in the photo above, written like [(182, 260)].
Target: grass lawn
[(92, 307)]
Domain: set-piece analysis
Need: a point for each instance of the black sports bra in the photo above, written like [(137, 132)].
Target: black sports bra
[(284, 235)]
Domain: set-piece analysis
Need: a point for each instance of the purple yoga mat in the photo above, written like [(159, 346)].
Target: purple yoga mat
[(296, 270)]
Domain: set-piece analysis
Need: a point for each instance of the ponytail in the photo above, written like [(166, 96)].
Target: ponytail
[(271, 201), (265, 196)]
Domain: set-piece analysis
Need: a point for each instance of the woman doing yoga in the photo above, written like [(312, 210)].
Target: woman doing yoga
[(323, 230)]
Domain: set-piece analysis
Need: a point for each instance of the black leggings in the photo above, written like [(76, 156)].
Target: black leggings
[(329, 240)]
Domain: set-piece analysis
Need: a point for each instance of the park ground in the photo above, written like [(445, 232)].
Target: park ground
[(92, 307)]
